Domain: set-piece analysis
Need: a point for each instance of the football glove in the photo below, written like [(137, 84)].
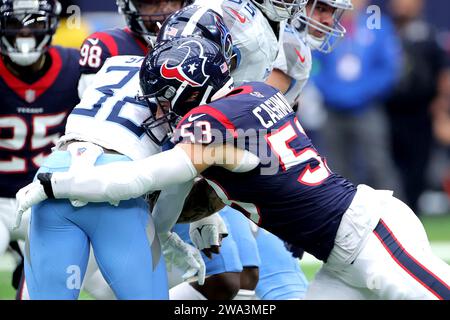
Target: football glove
[(183, 256), (207, 234), (27, 197)]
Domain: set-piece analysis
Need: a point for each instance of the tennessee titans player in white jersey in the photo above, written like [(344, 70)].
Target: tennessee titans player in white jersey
[(254, 27), (103, 128)]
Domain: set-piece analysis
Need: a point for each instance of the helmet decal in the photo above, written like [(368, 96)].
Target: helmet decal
[(178, 72)]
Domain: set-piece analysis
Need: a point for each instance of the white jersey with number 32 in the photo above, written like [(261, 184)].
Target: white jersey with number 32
[(110, 114)]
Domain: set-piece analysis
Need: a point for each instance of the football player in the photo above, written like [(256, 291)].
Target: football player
[(236, 265), (118, 98), (103, 125), (314, 27), (317, 27), (38, 85), (143, 18), (255, 26), (250, 147)]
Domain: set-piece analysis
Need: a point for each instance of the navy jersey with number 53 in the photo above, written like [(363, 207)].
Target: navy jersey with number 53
[(33, 116), (292, 193)]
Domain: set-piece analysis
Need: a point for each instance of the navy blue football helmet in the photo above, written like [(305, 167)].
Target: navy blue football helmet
[(145, 16), (27, 28), (180, 75), (200, 21)]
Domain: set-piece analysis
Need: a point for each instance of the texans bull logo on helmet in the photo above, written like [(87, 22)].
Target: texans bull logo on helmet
[(189, 65)]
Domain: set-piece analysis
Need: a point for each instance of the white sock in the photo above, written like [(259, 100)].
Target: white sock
[(184, 291), (246, 295)]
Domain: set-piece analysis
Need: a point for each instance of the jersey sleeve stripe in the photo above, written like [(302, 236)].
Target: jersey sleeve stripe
[(109, 42)]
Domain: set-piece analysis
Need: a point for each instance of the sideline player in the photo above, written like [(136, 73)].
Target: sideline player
[(38, 85), (371, 243)]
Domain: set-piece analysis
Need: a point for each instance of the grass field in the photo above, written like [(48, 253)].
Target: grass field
[(438, 230)]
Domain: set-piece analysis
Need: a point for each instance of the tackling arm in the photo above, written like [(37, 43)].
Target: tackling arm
[(125, 180)]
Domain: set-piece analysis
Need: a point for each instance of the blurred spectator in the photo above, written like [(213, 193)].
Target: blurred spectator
[(354, 80), (409, 107)]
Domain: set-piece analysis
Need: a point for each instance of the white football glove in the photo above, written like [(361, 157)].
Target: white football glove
[(27, 197), (207, 234), (183, 256)]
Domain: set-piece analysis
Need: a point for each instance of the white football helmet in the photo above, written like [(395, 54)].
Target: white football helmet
[(304, 20), (279, 10)]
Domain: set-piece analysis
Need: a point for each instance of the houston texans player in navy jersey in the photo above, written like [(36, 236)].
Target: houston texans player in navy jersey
[(249, 145), (143, 18), (235, 267), (38, 86)]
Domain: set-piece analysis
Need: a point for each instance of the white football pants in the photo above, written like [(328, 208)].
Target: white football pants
[(381, 252)]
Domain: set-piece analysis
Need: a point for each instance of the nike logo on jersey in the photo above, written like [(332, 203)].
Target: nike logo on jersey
[(192, 118), (241, 18), (302, 58), (94, 42)]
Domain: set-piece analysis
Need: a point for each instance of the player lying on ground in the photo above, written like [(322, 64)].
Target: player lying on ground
[(251, 148)]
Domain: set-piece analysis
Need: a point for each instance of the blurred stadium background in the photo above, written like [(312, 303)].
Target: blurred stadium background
[(431, 199)]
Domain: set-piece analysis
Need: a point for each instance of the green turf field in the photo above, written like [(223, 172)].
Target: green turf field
[(438, 230)]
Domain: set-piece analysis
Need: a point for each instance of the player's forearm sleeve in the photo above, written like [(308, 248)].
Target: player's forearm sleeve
[(124, 180), (170, 205)]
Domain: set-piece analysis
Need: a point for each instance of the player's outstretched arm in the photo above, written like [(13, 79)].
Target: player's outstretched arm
[(126, 180)]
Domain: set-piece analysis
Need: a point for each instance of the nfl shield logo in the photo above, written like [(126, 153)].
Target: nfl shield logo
[(30, 96)]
